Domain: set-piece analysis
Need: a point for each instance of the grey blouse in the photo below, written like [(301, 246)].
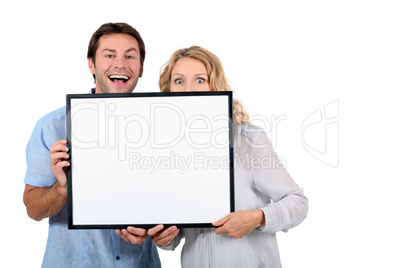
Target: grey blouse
[(261, 182)]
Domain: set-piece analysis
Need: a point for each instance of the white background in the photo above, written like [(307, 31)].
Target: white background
[(284, 58)]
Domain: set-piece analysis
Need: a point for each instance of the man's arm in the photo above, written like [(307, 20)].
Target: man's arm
[(43, 202)]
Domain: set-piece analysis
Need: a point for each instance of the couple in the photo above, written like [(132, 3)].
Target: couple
[(267, 199)]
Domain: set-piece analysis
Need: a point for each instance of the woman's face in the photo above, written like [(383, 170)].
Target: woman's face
[(189, 74)]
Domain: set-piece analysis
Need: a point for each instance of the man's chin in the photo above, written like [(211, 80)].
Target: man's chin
[(120, 89)]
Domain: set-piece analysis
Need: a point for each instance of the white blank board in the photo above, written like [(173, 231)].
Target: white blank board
[(144, 159)]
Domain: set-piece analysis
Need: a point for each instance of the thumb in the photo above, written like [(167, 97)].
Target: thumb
[(221, 221), (155, 229)]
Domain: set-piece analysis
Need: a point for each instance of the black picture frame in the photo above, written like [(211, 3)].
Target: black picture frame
[(108, 188)]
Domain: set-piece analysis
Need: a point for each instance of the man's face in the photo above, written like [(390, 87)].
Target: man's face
[(117, 64)]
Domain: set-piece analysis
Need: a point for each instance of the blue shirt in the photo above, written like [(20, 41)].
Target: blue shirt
[(77, 248)]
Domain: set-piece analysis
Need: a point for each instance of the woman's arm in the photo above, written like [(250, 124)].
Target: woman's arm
[(238, 224), (289, 205), (167, 239), (270, 179)]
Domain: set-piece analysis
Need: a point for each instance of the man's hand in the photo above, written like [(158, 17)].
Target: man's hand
[(163, 237), (132, 235), (59, 163), (238, 224), (43, 202)]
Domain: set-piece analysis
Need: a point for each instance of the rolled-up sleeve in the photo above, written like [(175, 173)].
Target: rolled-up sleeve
[(289, 205)]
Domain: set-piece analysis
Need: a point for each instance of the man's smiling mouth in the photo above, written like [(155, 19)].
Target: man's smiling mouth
[(119, 79)]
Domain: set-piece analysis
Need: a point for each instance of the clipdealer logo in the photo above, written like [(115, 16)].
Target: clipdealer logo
[(124, 133), (320, 134)]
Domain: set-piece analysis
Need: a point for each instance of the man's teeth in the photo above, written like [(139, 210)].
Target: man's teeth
[(117, 76)]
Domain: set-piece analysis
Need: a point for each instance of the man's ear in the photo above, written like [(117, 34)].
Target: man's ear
[(142, 68), (91, 66)]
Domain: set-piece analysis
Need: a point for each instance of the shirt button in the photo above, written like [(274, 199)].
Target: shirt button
[(117, 257)]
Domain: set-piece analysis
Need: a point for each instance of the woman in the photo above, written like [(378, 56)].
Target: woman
[(267, 200)]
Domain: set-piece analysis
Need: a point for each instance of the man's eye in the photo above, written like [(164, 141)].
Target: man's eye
[(179, 81), (109, 56), (200, 80), (130, 57)]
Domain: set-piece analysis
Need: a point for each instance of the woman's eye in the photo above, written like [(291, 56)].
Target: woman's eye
[(178, 81), (200, 80)]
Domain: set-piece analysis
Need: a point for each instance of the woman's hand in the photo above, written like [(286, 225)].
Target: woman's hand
[(238, 224), (163, 237), (132, 235)]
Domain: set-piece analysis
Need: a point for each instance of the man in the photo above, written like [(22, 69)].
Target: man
[(116, 54)]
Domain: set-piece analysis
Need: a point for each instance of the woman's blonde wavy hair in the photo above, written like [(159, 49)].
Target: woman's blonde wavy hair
[(216, 76)]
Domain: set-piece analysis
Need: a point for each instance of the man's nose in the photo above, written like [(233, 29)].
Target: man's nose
[(119, 63)]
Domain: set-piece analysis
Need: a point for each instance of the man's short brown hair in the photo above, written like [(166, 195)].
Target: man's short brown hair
[(115, 28)]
